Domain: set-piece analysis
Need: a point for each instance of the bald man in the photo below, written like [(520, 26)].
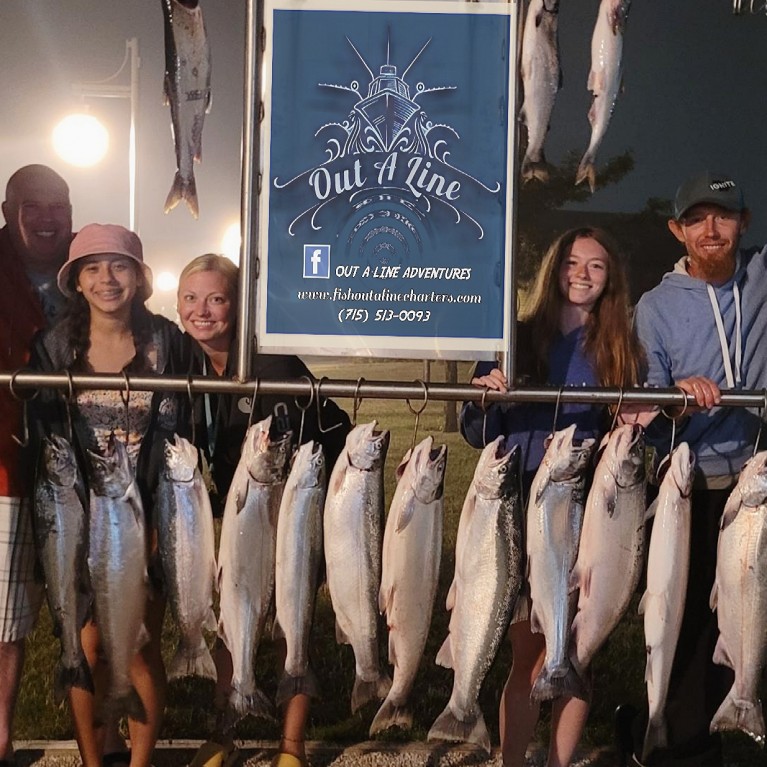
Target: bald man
[(33, 245)]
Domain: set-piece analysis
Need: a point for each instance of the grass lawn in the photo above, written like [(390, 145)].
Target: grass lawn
[(618, 670)]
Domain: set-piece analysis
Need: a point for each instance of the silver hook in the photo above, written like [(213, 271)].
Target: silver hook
[(762, 413), (617, 411), (483, 405), (24, 441), (417, 413), (191, 406), (673, 419), (357, 400), (320, 405), (556, 409), (126, 401), (304, 408), (253, 401)]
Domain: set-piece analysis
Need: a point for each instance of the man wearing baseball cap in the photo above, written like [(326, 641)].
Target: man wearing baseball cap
[(698, 327)]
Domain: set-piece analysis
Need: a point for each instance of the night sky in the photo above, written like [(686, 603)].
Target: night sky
[(694, 97)]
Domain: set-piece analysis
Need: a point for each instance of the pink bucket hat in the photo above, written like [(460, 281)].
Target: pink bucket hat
[(102, 239)]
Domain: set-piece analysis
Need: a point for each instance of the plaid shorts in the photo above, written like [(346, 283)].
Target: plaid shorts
[(20, 592)]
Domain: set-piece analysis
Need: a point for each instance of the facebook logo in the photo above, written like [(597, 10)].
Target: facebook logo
[(317, 262)]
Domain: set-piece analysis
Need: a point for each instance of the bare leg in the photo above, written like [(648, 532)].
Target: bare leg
[(295, 715), (518, 714), (221, 692), (11, 665), (90, 738), (568, 718), (148, 677)]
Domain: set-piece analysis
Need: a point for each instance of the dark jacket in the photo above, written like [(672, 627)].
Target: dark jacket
[(52, 352), (231, 413)]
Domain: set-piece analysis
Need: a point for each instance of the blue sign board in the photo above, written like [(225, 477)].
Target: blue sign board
[(385, 207)]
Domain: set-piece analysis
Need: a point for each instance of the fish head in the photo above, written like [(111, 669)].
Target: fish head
[(308, 467), (681, 468), (752, 484), (497, 469), (428, 465), (566, 457), (625, 453), (59, 461), (366, 446), (111, 473), (266, 457), (180, 459)]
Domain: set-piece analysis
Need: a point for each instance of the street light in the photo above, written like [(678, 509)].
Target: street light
[(105, 89)]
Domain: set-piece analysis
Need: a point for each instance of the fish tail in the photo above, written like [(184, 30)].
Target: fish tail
[(183, 189), (391, 715), (587, 172), (655, 737), (66, 678), (192, 661), (532, 169), (255, 703), (473, 729), (745, 715), (363, 692), (290, 686), (129, 705), (547, 686)]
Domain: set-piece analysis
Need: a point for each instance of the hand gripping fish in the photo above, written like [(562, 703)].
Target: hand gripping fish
[(187, 92)]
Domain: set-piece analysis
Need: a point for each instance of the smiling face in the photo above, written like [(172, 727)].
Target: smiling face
[(206, 308), (39, 218), (108, 283), (711, 235), (583, 273)]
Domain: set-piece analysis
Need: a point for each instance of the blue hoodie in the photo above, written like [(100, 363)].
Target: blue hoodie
[(677, 323)]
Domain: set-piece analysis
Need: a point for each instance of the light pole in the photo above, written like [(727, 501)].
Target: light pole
[(106, 89)]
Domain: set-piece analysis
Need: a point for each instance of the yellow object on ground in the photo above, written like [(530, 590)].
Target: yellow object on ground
[(287, 760), (212, 754)]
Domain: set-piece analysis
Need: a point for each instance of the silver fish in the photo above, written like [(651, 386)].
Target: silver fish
[(61, 532), (541, 81), (187, 92), (353, 524), (611, 550), (740, 598), (662, 604), (246, 559), (188, 556), (412, 549), (604, 79), (117, 561), (554, 518), (488, 574), (299, 550)]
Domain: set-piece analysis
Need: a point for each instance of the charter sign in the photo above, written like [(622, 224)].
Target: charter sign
[(386, 193)]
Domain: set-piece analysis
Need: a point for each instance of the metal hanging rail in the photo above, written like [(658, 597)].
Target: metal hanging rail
[(24, 380)]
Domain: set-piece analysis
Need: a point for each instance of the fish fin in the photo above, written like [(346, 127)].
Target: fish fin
[(548, 687), (587, 172), (192, 660), (722, 655), (473, 729), (385, 598), (290, 686), (129, 705), (535, 622), (66, 678), (655, 737), (535, 169), (400, 470), (405, 516), (744, 715), (713, 600), (183, 189), (392, 649), (255, 703), (445, 654), (730, 509), (451, 596), (363, 692), (580, 579), (391, 715), (341, 637), (142, 637), (277, 630), (643, 603)]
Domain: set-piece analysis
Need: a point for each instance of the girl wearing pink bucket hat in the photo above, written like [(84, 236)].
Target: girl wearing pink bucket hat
[(107, 329)]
